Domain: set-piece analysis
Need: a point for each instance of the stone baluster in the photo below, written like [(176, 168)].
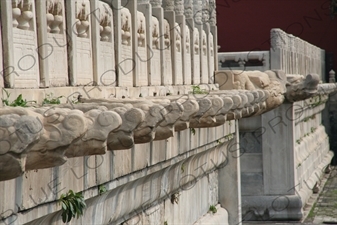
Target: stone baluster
[(103, 43), (158, 45), (181, 39), (189, 28), (214, 32), (332, 77), (197, 36), (25, 67), (153, 76), (144, 53), (8, 22), (205, 53), (80, 46), (130, 64), (169, 15)]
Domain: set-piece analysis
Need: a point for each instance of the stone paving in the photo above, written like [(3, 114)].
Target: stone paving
[(325, 209), (322, 207)]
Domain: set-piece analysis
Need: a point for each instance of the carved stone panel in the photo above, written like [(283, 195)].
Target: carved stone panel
[(178, 56), (57, 55), (141, 55), (26, 61), (126, 64), (83, 42), (167, 54), (204, 60), (106, 69), (187, 59), (155, 60), (196, 57), (211, 56)]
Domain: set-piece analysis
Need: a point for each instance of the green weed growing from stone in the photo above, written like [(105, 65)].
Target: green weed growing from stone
[(72, 204)]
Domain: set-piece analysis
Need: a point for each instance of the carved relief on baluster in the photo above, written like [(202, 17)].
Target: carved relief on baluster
[(212, 18), (141, 29), (211, 45), (168, 5), (197, 11), (156, 3), (204, 43), (23, 14), (126, 26), (155, 33), (196, 41), (187, 38), (105, 22), (166, 34), (178, 37), (179, 7), (205, 11), (82, 19), (16, 11), (188, 9), (54, 16)]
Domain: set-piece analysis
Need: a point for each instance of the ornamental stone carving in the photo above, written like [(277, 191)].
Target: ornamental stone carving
[(179, 7), (188, 9), (141, 29), (300, 87), (155, 33), (36, 138), (156, 3), (54, 16), (22, 11), (82, 18), (168, 5), (105, 21), (126, 26)]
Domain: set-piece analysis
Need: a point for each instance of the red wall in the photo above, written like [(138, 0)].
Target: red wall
[(244, 25)]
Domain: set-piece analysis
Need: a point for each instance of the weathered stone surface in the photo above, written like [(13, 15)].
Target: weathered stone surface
[(19, 131), (300, 87)]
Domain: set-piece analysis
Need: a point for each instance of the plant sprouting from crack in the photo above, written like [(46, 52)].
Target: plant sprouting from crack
[(72, 204), (19, 101), (101, 189), (192, 131), (212, 209), (182, 168), (175, 198), (50, 100), (197, 90)]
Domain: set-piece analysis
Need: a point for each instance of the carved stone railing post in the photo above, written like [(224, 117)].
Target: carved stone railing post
[(8, 46), (95, 35), (143, 54), (186, 57), (214, 31), (79, 48), (128, 63), (189, 28), (158, 43), (196, 49), (205, 31), (103, 44), (21, 68), (52, 39), (332, 77), (41, 13), (153, 76), (174, 29)]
